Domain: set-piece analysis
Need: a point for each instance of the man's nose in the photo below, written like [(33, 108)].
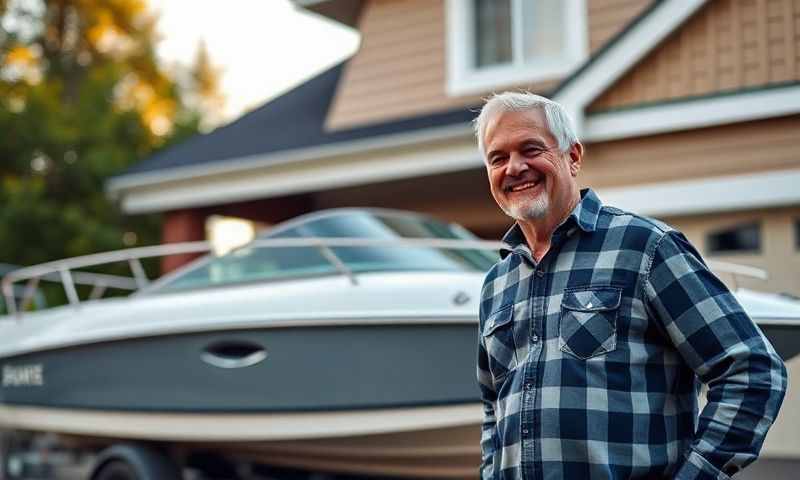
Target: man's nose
[(516, 165)]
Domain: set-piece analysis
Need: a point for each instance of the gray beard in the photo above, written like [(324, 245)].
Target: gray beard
[(528, 210)]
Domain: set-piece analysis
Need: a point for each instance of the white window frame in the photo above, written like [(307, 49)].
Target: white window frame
[(463, 78)]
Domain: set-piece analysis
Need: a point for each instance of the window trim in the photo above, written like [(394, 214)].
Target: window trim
[(463, 79)]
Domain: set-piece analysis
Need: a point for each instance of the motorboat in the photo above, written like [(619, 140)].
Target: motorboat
[(340, 341)]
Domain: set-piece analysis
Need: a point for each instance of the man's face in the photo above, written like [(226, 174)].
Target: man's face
[(530, 178)]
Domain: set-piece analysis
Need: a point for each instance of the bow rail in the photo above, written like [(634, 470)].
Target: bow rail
[(63, 270)]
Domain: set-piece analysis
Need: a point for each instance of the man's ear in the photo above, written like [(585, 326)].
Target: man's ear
[(575, 158)]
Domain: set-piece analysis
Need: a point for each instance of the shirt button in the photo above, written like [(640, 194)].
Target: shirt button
[(535, 338), (524, 431), (528, 386), (540, 273)]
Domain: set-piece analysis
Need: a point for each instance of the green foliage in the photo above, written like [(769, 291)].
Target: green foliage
[(81, 99)]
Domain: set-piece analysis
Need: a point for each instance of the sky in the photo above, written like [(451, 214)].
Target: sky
[(264, 47)]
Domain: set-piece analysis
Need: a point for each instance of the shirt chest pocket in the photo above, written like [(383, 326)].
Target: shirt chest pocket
[(588, 324), (498, 337)]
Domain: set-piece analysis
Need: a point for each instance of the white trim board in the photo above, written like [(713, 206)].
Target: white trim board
[(691, 114), (708, 195), (624, 53), (301, 177)]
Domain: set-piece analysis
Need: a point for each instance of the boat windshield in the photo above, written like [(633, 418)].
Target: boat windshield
[(254, 263)]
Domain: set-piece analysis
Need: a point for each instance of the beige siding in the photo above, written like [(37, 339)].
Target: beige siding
[(779, 255), (607, 18), (400, 68), (725, 150), (727, 46)]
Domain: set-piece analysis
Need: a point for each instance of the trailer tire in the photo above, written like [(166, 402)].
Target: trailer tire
[(134, 462)]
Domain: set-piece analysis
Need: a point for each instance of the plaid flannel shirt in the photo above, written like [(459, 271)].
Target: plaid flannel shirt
[(590, 361)]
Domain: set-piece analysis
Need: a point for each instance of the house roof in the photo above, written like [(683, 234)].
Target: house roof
[(290, 122)]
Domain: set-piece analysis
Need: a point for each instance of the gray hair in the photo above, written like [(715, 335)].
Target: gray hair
[(556, 115)]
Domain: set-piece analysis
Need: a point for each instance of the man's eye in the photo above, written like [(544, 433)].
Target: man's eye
[(494, 161)]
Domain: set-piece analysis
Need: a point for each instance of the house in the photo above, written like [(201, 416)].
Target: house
[(689, 110)]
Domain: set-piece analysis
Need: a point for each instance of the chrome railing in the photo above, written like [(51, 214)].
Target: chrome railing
[(736, 270), (63, 270)]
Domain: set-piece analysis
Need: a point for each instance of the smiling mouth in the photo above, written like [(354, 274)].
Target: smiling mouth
[(522, 186)]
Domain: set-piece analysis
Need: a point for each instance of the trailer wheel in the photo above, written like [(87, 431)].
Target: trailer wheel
[(134, 462)]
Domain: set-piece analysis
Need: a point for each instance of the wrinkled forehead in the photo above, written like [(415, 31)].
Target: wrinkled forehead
[(510, 126)]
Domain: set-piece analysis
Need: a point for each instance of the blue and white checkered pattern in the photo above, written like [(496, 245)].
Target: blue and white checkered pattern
[(590, 361)]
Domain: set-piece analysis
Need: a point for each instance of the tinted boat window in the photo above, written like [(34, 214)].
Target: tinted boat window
[(366, 225), (263, 263)]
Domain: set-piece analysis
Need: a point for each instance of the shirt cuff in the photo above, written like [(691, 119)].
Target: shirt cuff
[(696, 467)]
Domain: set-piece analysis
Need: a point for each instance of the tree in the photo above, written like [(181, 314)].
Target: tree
[(82, 97), (205, 89)]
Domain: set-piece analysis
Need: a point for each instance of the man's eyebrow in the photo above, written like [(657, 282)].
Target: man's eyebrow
[(534, 142), (528, 142), (493, 153)]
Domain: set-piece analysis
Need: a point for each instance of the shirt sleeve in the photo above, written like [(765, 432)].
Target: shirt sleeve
[(488, 399), (746, 378)]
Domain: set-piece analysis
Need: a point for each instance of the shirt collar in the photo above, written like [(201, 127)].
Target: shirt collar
[(584, 215)]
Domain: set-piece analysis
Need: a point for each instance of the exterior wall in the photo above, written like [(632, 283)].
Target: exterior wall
[(779, 255), (728, 45), (774, 469), (725, 150), (609, 17), (779, 454), (400, 68), (752, 147)]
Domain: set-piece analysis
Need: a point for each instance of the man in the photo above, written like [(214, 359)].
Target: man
[(596, 325)]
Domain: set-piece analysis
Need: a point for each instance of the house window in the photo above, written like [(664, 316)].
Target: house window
[(744, 238), (494, 43)]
